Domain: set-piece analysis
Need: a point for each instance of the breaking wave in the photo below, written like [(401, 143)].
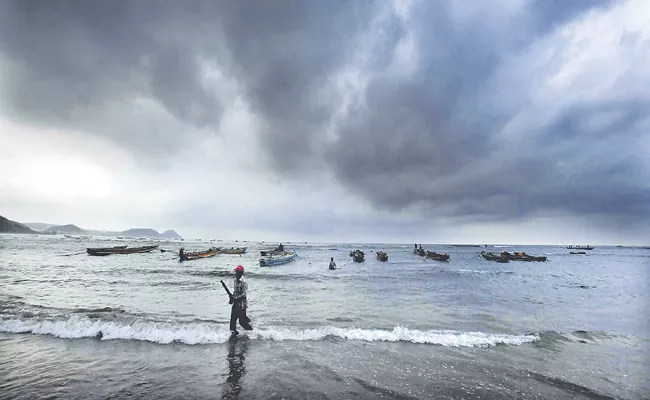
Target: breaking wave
[(202, 332)]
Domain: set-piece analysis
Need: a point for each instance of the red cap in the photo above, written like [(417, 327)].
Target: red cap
[(240, 268)]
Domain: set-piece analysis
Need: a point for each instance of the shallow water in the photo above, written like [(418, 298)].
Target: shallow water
[(573, 327)]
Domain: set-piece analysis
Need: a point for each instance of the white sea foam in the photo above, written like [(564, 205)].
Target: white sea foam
[(206, 332)]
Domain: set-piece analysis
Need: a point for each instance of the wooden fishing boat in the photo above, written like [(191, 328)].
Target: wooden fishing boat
[(578, 252), (120, 250), (286, 257), (521, 256), (437, 256), (357, 256), (382, 256), (200, 254), (232, 250), (494, 257), (105, 248), (578, 247)]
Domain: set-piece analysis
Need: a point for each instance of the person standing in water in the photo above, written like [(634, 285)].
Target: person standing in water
[(332, 263), (239, 302)]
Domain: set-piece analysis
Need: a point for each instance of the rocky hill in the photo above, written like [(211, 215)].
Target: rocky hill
[(141, 232), (67, 229), (38, 226), (9, 226), (170, 234)]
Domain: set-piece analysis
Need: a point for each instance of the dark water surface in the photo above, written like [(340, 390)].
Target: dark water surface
[(576, 326)]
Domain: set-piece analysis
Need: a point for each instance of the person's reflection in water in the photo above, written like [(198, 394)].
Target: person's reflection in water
[(236, 370)]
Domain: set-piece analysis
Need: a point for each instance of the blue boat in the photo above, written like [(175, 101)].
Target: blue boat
[(278, 260)]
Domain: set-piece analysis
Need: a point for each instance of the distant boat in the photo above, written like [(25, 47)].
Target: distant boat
[(200, 254), (578, 252), (521, 256), (419, 252), (285, 258), (105, 248), (382, 256), (357, 256), (578, 247), (119, 250), (232, 250), (494, 257), (437, 256)]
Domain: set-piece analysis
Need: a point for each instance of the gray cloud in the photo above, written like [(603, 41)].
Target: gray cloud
[(77, 64), (430, 138)]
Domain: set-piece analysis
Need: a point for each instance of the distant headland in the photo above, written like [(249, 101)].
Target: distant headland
[(9, 226)]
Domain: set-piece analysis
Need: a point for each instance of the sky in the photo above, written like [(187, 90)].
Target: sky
[(509, 121)]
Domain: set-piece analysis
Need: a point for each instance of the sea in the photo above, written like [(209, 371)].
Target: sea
[(146, 326)]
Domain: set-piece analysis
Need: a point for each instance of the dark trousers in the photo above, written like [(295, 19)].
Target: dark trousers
[(238, 313)]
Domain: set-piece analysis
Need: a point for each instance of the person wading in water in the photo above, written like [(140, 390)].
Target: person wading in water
[(332, 263), (239, 303)]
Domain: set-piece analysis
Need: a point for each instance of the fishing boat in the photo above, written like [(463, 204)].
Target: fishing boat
[(232, 250), (578, 252), (357, 256), (437, 256), (286, 257), (105, 248), (494, 257), (199, 254), (382, 256), (119, 250), (521, 256), (578, 247), (488, 255)]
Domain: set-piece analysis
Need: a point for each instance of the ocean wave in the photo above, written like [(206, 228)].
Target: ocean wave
[(193, 333)]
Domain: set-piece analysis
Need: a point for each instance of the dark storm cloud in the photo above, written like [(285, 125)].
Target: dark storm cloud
[(427, 139), (79, 57), (82, 64), (430, 139)]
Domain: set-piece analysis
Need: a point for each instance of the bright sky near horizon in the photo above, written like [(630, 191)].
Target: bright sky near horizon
[(519, 121)]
